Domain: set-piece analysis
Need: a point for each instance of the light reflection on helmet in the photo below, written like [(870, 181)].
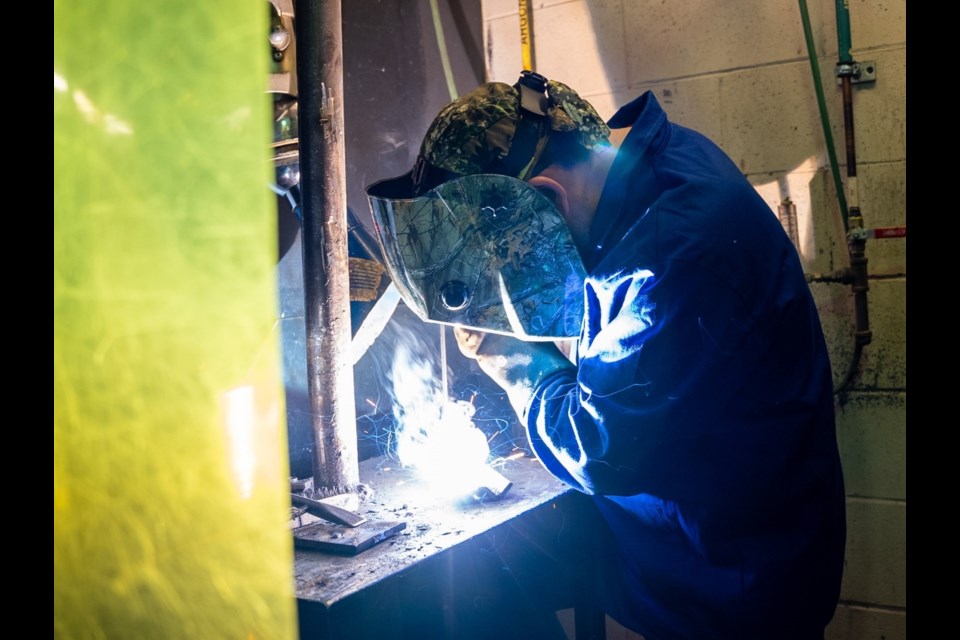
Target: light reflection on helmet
[(483, 251)]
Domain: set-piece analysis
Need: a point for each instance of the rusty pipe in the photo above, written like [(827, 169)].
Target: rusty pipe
[(325, 256)]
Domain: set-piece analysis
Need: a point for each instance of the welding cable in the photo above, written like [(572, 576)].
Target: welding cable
[(442, 45)]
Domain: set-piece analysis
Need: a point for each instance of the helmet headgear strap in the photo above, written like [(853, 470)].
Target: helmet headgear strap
[(531, 130)]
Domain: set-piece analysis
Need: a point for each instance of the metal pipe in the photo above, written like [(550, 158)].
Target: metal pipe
[(325, 258), (856, 274), (847, 68), (856, 235), (847, 86), (860, 286)]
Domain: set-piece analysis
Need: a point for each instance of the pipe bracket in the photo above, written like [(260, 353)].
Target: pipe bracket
[(858, 72)]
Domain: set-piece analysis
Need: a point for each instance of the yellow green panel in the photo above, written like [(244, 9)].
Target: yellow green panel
[(170, 497)]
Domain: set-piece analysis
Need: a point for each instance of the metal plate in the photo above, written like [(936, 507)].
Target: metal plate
[(343, 540)]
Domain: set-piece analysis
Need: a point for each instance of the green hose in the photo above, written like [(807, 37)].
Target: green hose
[(824, 119)]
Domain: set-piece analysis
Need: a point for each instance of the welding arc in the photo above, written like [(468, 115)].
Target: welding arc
[(328, 511)]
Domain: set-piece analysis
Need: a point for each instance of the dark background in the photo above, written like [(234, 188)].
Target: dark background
[(393, 87)]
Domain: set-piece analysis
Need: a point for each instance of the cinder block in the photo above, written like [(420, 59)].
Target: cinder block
[(877, 23), (872, 432), (623, 96), (492, 9), (879, 109), (875, 564), (820, 237), (835, 305), (500, 8), (823, 24), (823, 245), (581, 44), (607, 103), (669, 40), (830, 250), (865, 32), (884, 361), (693, 103), (542, 4), (864, 623), (770, 121), (883, 193), (501, 42), (883, 203)]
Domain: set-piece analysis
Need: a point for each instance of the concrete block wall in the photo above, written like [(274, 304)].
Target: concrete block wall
[(739, 72)]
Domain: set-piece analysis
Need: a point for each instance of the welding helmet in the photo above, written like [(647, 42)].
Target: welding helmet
[(465, 239), (483, 251)]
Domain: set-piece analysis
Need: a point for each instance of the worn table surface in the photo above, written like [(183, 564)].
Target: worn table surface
[(432, 526)]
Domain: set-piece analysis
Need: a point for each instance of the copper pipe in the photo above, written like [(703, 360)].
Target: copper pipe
[(846, 86)]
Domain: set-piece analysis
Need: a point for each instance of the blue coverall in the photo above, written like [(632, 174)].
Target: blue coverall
[(700, 416)]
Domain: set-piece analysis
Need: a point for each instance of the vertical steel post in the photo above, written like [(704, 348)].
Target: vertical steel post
[(325, 259)]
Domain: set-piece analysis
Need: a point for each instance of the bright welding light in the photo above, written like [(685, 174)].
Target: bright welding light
[(436, 435)]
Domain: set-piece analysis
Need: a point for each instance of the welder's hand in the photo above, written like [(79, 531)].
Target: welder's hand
[(469, 341), (516, 365)]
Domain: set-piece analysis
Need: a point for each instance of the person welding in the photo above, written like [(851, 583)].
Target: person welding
[(696, 416)]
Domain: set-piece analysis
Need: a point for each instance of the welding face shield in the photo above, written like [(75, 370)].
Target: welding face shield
[(484, 251)]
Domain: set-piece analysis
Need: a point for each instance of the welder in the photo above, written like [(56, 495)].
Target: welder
[(696, 417)]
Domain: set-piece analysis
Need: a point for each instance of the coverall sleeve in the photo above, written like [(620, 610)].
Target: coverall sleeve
[(660, 355)]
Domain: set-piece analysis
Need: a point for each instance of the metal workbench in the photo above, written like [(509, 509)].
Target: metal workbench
[(360, 596)]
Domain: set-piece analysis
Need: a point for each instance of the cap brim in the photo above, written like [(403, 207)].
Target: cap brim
[(399, 188)]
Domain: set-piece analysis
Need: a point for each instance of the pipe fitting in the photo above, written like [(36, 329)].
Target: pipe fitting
[(857, 243)]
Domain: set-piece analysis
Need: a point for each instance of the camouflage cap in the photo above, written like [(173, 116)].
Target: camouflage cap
[(474, 132)]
